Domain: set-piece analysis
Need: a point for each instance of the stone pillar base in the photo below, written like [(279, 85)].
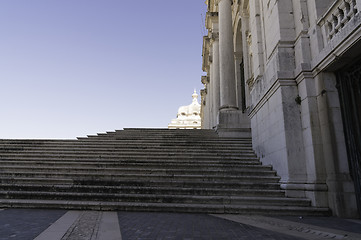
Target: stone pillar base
[(342, 198), (316, 192), (233, 124)]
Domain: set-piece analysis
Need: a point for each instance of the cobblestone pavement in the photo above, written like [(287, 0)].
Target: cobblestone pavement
[(29, 224)]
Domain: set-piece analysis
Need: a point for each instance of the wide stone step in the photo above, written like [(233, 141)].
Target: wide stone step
[(267, 199), (135, 154), (121, 147), (166, 207), (141, 141), (173, 164), (35, 180), (129, 161), (147, 131), (120, 133), (122, 150), (156, 133), (182, 183), (130, 151), (201, 151), (134, 157), (261, 171), (161, 138), (144, 177), (242, 190)]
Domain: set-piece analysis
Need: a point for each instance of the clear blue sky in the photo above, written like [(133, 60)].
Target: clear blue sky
[(70, 68)]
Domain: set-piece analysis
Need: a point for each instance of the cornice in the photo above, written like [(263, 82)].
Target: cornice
[(282, 79)]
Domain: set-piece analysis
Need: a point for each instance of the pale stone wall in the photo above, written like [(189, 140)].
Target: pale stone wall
[(290, 49)]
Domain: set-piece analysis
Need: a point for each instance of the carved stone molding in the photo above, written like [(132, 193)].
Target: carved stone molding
[(205, 80), (211, 18), (249, 38), (210, 58)]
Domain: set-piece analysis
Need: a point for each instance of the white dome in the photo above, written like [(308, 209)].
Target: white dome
[(188, 116)]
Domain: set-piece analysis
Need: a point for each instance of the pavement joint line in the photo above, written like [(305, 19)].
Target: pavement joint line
[(109, 228), (58, 229), (97, 224), (301, 230), (84, 227)]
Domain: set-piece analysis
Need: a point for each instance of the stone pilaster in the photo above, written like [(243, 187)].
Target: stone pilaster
[(205, 109), (216, 76)]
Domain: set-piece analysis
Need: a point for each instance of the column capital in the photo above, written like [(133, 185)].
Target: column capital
[(214, 36), (238, 56), (211, 18), (205, 79), (212, 15), (218, 1)]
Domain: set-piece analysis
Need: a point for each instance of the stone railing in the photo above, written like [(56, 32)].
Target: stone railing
[(339, 13)]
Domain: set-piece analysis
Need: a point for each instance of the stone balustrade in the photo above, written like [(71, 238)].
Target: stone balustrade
[(339, 13)]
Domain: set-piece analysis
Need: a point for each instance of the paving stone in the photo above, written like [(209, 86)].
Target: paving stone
[(328, 222), (26, 224), (178, 226)]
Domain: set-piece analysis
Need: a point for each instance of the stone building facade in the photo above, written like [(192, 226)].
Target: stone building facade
[(288, 73)]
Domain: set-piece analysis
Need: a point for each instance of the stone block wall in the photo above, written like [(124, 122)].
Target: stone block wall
[(290, 56)]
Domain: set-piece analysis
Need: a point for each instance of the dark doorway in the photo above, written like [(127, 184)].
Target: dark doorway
[(243, 87), (349, 87)]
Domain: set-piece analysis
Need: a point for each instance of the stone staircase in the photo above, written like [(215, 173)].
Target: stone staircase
[(144, 170)]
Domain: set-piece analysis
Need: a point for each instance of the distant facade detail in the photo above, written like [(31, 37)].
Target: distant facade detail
[(288, 74), (188, 117)]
